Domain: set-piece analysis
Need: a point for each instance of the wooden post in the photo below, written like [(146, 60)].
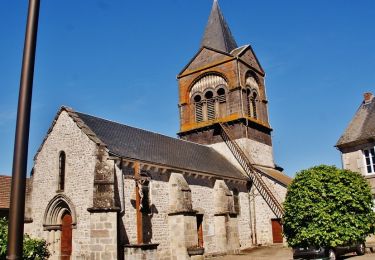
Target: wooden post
[(137, 176)]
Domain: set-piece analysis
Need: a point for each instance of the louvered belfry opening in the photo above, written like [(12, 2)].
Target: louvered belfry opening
[(248, 103), (210, 101), (209, 98), (198, 105), (253, 105)]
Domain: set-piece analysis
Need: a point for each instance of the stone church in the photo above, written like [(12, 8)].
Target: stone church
[(103, 190)]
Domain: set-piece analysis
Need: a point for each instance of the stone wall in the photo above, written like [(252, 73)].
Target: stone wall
[(157, 227), (103, 235), (353, 159), (244, 215), (260, 153), (202, 200), (263, 213), (80, 165), (129, 217), (175, 201)]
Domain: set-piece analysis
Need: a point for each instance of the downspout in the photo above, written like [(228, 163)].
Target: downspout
[(121, 193), (265, 98), (250, 218), (241, 95), (255, 220)]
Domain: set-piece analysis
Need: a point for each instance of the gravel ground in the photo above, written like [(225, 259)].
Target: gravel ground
[(280, 253)]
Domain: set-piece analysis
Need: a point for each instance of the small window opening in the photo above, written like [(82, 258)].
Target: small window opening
[(200, 229), (62, 159), (221, 91), (209, 95), (221, 95)]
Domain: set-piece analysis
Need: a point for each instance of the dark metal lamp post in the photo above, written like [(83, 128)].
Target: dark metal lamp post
[(17, 198)]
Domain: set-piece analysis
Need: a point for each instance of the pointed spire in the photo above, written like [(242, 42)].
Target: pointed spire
[(217, 34)]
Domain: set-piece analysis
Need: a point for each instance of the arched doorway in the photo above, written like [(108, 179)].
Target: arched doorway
[(66, 236), (59, 220)]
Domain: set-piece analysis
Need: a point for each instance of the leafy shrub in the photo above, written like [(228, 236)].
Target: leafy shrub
[(327, 206), (32, 248), (3, 238)]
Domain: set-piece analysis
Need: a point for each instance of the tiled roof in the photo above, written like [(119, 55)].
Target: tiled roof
[(362, 127), (5, 182), (134, 143), (217, 34)]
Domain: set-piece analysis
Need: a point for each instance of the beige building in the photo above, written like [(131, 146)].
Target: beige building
[(357, 144), (104, 190)]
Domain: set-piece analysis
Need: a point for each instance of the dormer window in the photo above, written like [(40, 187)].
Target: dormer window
[(61, 181), (369, 156)]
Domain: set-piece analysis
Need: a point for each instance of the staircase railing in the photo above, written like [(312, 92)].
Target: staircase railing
[(253, 173)]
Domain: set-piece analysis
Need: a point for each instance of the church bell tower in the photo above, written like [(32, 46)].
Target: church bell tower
[(224, 83)]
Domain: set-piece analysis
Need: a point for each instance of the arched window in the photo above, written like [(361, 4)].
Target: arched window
[(62, 161), (253, 105), (198, 105), (248, 102), (221, 95), (221, 101), (252, 90), (210, 105), (208, 96)]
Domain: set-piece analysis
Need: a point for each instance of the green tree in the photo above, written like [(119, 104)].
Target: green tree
[(33, 249), (327, 206)]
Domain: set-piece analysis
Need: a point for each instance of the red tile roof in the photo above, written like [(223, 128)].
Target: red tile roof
[(5, 182)]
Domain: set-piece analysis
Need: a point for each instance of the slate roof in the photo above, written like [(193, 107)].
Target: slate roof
[(362, 127), (275, 174), (5, 183), (134, 143), (217, 34)]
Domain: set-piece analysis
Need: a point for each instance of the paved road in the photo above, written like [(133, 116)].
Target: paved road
[(281, 253)]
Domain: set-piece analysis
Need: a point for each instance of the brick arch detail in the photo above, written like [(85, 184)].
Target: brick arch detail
[(206, 75)]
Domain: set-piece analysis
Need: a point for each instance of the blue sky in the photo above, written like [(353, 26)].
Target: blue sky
[(119, 60)]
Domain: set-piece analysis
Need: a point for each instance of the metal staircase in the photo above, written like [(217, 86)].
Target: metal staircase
[(253, 173)]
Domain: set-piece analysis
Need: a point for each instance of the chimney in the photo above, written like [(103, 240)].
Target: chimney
[(367, 97)]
